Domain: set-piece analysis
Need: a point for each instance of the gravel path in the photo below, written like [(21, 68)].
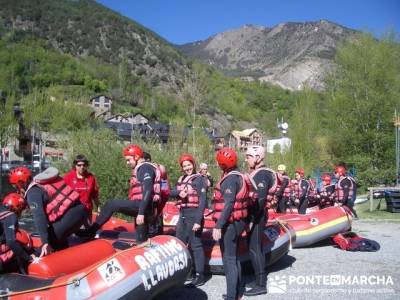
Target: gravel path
[(325, 271)]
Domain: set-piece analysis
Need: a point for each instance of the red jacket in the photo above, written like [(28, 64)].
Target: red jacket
[(86, 187)]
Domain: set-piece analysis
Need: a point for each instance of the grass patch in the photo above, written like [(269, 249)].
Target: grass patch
[(377, 214)]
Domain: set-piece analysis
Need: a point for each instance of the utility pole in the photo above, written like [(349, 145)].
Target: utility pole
[(396, 122)]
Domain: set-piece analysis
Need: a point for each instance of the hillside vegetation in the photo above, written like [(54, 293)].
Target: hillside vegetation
[(350, 122)]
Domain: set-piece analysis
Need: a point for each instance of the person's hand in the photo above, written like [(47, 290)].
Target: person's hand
[(140, 219), (196, 227), (216, 234), (46, 250), (183, 194), (34, 259)]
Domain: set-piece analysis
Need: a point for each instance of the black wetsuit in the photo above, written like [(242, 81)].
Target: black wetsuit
[(259, 216), (230, 236), (8, 227), (346, 184), (146, 176), (188, 216), (55, 233), (282, 200), (326, 195), (303, 204)]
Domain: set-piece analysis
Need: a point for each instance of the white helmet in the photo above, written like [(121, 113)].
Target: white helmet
[(256, 150)]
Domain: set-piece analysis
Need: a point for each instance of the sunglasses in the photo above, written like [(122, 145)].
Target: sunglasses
[(80, 165)]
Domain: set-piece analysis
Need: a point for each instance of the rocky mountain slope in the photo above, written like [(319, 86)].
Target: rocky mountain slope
[(85, 28), (289, 54)]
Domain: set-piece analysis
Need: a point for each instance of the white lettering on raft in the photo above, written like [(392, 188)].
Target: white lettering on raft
[(160, 262)]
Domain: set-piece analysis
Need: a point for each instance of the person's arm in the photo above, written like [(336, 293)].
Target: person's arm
[(174, 193), (285, 182), (10, 225), (200, 184), (304, 188), (229, 189), (95, 192), (35, 199), (210, 179), (263, 183), (146, 176), (345, 184)]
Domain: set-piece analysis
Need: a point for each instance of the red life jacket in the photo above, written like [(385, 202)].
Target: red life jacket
[(61, 196), (240, 208), (350, 241), (326, 199), (192, 198), (339, 192), (6, 254), (135, 187), (298, 190), (271, 199)]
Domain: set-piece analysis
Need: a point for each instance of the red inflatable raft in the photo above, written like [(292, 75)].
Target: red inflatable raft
[(277, 240), (316, 225), (103, 269)]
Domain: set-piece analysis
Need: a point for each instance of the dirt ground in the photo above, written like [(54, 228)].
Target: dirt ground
[(325, 271)]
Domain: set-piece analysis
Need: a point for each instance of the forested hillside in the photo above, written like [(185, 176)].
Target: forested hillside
[(351, 122)]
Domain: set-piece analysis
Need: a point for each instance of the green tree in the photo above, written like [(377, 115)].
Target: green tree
[(363, 93)]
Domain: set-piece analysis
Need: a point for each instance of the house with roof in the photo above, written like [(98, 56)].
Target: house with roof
[(129, 127), (244, 138), (101, 105)]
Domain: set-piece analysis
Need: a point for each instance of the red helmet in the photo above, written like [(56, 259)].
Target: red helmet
[(226, 158), (326, 179), (133, 150), (14, 202), (19, 175), (187, 157), (340, 170), (300, 171)]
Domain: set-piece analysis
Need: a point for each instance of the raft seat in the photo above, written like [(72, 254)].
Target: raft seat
[(72, 259)]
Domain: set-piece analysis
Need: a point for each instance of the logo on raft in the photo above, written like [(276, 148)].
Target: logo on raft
[(111, 272)]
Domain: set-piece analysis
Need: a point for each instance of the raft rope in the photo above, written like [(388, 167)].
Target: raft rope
[(76, 281), (287, 230)]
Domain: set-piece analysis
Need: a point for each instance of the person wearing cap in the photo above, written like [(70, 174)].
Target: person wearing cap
[(264, 179), (55, 207), (84, 182), (301, 190), (204, 171), (230, 212), (284, 191), (141, 201), (14, 244), (191, 199)]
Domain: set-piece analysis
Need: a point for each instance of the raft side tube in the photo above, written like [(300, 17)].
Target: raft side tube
[(72, 259)]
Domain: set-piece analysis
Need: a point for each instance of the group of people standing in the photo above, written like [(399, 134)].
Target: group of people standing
[(63, 205), (302, 193)]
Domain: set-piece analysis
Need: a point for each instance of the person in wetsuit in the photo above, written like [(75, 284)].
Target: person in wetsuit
[(263, 179), (230, 211), (14, 248), (142, 197), (191, 199), (55, 207)]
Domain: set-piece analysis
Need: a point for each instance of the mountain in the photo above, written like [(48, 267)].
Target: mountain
[(289, 54), (85, 28)]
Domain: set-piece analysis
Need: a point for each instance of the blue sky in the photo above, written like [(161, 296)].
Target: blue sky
[(183, 21)]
